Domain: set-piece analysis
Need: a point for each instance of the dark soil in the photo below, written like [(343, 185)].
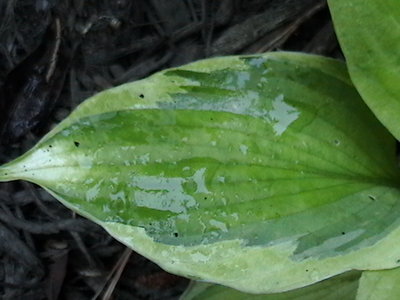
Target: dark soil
[(53, 55)]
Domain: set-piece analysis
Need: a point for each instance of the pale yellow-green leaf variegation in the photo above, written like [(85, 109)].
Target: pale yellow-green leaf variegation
[(264, 173), (369, 35)]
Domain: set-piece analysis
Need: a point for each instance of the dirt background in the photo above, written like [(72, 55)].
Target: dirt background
[(53, 55)]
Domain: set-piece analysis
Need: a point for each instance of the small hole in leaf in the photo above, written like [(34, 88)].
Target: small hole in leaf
[(205, 198), (76, 144), (141, 96), (176, 234), (50, 146), (343, 232)]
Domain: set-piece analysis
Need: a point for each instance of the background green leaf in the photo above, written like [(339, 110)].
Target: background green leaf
[(343, 287), (369, 34), (264, 173), (382, 285)]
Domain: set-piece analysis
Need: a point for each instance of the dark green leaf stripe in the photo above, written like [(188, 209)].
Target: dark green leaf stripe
[(151, 169), (266, 163)]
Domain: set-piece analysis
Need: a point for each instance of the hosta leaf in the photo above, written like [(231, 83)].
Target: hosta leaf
[(264, 173), (369, 34), (343, 287), (382, 285)]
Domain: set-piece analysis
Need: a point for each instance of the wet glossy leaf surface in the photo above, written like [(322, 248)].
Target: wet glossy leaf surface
[(369, 36), (266, 163)]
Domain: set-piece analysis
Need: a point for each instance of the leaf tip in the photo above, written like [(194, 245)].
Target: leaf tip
[(4, 174), (10, 172)]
